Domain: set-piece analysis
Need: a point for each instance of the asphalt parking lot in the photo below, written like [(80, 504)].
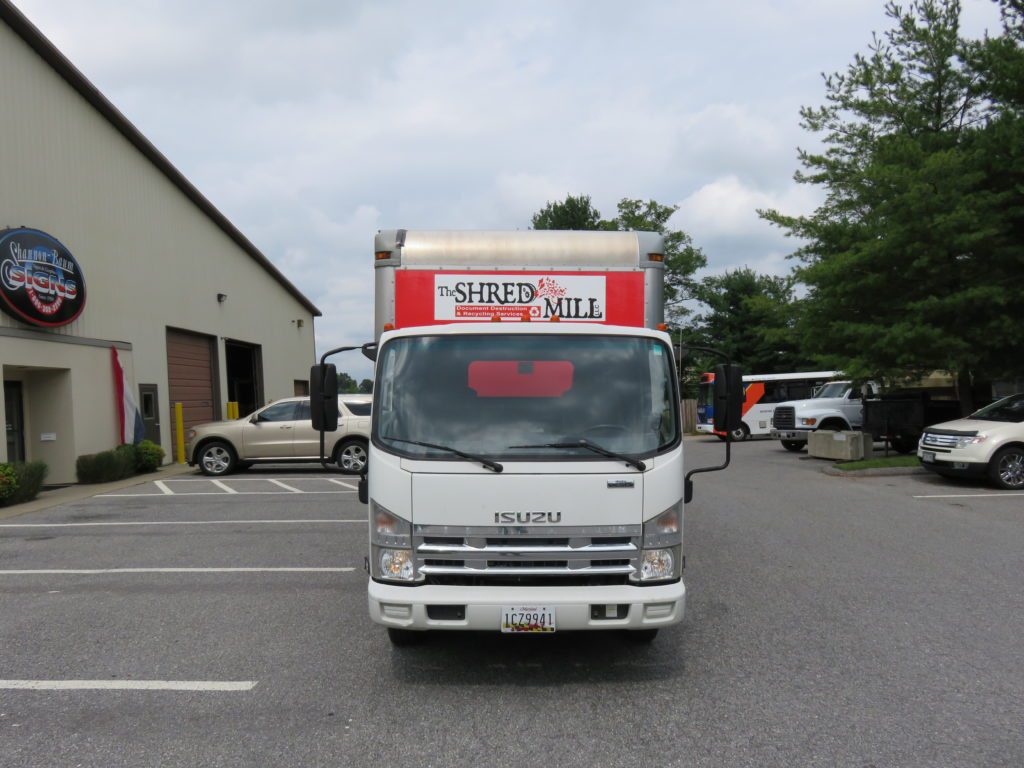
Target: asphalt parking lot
[(831, 621)]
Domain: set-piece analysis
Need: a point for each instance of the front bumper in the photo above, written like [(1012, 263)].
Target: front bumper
[(952, 463), (406, 607), (791, 434)]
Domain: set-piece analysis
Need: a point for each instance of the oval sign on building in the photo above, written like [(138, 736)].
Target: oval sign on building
[(40, 281)]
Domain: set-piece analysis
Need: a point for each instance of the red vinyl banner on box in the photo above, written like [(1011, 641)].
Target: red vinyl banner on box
[(432, 297)]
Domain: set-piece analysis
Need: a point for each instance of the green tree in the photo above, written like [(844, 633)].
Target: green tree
[(682, 257), (575, 212), (751, 317), (366, 386), (346, 384), (905, 260)]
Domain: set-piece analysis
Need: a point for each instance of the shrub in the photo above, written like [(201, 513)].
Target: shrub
[(30, 476), (148, 456), (8, 482), (106, 466), (127, 458)]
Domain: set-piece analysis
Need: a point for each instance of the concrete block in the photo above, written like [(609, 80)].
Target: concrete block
[(839, 446)]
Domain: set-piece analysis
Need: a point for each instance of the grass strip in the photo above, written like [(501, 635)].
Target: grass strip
[(880, 463)]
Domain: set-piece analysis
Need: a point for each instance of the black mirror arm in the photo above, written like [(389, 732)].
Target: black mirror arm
[(323, 374), (688, 480)]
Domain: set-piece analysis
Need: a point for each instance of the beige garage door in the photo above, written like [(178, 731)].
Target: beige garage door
[(190, 377)]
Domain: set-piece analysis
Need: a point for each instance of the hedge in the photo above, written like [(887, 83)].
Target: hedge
[(8, 483), (28, 480), (106, 466), (148, 456), (124, 461)]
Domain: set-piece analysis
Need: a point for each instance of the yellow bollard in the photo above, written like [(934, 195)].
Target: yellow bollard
[(234, 409), (179, 423)]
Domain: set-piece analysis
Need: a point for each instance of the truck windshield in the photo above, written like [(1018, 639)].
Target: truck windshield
[(834, 389), (483, 395)]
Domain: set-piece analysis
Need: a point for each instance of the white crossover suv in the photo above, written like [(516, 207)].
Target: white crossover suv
[(282, 432), (989, 442)]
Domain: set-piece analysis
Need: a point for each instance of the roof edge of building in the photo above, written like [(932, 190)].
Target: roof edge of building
[(36, 40)]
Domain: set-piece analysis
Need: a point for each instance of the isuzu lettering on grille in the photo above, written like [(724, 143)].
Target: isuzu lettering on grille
[(542, 518)]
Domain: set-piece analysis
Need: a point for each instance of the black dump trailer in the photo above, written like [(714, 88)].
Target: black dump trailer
[(900, 418)]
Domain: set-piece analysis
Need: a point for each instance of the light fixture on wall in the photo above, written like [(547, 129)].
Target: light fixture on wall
[(300, 322), (221, 298)]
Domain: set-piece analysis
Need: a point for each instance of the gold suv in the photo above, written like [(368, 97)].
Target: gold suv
[(282, 432)]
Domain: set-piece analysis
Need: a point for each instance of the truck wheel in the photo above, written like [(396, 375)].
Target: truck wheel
[(351, 457), (1007, 468), (641, 635), (834, 425), (741, 433), (217, 458), (904, 444), (405, 637), (793, 445)]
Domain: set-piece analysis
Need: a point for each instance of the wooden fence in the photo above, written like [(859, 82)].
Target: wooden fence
[(689, 416)]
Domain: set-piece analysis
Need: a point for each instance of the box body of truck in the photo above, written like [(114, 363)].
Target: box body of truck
[(526, 463)]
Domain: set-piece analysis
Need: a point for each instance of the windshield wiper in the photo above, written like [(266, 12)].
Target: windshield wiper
[(491, 465), (583, 443)]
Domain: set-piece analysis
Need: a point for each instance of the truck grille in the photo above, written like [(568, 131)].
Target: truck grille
[(527, 556), (784, 417)]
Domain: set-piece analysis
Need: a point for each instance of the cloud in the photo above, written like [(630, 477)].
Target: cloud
[(722, 219), (313, 123)]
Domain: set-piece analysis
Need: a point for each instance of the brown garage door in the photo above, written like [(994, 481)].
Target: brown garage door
[(190, 377)]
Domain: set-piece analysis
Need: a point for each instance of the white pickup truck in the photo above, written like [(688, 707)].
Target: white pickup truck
[(838, 405)]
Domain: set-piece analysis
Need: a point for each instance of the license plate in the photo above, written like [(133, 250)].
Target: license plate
[(927, 456), (527, 618)]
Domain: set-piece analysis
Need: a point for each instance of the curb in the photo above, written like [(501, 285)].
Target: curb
[(874, 472), (71, 493)]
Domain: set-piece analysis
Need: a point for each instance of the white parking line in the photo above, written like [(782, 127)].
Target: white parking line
[(127, 685), (94, 571), (284, 485), (227, 488), (179, 522), (969, 495), (163, 487), (343, 484)]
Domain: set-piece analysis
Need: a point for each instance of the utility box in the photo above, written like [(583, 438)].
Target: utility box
[(839, 446)]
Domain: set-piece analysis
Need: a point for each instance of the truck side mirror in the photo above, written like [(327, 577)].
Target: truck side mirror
[(323, 397), (363, 490), (728, 409)]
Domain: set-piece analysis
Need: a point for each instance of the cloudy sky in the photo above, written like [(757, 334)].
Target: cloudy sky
[(313, 123)]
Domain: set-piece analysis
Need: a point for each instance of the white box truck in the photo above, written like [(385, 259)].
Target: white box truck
[(525, 470)]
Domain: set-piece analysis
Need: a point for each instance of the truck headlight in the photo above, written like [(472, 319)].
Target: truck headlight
[(808, 422), (657, 565), (395, 564), (661, 556), (388, 529), (391, 545), (666, 529)]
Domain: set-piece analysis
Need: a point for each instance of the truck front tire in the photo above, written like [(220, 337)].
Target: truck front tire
[(641, 635), (793, 445), (402, 638)]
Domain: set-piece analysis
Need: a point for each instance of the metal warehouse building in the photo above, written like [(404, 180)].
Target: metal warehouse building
[(118, 279)]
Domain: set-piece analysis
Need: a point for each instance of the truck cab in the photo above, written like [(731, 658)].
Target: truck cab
[(531, 470), (838, 406)]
